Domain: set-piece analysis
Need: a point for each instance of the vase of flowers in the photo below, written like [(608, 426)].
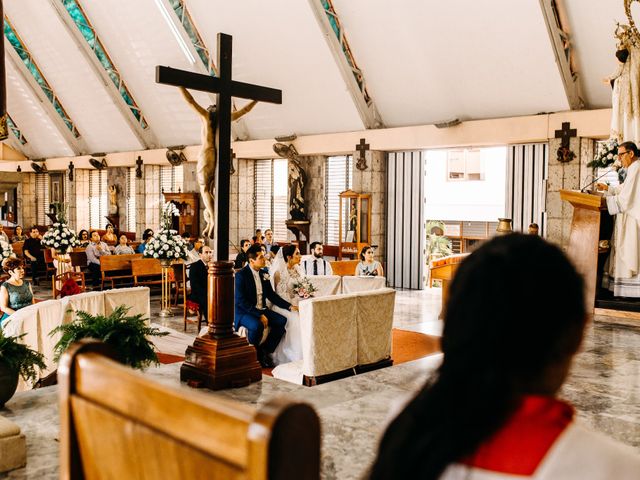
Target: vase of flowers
[(60, 237), (303, 288), (166, 243)]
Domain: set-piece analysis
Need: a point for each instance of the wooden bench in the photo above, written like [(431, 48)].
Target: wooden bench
[(117, 267), (344, 267), (146, 271), (117, 423)]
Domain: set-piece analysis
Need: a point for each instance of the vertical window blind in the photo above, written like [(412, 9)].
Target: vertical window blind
[(171, 179), (98, 199), (131, 199), (42, 198), (271, 205), (338, 178)]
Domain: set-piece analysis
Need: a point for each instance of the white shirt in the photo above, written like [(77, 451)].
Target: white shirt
[(256, 278), (324, 267)]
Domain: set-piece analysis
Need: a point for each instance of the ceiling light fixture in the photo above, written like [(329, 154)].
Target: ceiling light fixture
[(172, 26)]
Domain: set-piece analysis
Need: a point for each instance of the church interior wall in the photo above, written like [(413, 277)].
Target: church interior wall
[(315, 194), (26, 203), (118, 176)]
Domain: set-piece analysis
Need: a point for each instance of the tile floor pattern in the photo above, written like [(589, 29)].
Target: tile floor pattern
[(604, 386)]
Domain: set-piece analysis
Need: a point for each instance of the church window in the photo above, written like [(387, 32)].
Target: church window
[(16, 131), (338, 178), (42, 198), (271, 197), (131, 199), (171, 179), (98, 201)]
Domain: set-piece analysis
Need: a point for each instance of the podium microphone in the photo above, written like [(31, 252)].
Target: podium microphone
[(594, 181)]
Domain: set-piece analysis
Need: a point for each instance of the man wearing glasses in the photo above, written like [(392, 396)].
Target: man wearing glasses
[(622, 270)]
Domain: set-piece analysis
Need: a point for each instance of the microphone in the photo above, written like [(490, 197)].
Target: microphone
[(594, 181)]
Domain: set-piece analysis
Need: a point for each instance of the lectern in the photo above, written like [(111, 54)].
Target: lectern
[(588, 211)]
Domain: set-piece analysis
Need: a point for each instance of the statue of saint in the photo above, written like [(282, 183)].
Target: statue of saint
[(207, 158), (113, 202), (297, 180)]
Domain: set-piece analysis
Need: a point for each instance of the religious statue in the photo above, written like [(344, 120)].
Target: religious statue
[(625, 97), (208, 156), (113, 203), (297, 180)]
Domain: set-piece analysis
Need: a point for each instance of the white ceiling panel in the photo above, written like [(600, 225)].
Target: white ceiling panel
[(80, 90), (429, 61), (280, 45), (592, 36), (26, 110)]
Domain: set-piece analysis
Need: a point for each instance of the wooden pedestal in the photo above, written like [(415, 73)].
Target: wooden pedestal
[(220, 358), (300, 227)]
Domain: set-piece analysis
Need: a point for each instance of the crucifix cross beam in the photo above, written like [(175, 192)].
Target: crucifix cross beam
[(566, 133), (224, 88)]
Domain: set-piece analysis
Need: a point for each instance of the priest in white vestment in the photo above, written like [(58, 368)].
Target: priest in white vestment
[(622, 270)]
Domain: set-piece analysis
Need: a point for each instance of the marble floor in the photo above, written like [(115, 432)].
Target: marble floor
[(604, 386)]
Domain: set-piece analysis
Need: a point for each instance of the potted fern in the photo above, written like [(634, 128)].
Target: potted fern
[(125, 334), (16, 360)]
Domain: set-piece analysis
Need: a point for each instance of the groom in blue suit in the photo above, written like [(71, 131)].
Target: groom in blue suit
[(253, 288)]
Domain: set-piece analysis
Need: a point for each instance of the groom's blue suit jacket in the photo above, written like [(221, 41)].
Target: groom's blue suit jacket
[(246, 296)]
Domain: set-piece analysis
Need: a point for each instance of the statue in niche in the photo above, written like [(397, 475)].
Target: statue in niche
[(208, 156), (113, 201), (297, 180)]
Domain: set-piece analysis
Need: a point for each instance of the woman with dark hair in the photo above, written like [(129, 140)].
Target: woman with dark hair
[(508, 342), (109, 237), (367, 266), (18, 236), (147, 236), (83, 238), (15, 293)]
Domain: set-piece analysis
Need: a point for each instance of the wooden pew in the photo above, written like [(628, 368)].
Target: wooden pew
[(344, 267), (117, 267), (117, 423), (146, 272)]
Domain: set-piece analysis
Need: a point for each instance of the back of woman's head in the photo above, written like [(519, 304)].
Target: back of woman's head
[(288, 251), (515, 310), (147, 234)]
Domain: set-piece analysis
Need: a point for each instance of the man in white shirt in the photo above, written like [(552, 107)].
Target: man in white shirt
[(94, 251), (316, 265), (268, 239)]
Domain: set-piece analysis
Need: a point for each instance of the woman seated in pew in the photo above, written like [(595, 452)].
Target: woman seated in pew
[(492, 410), (123, 248), (15, 293), (18, 236), (109, 237), (83, 238), (368, 267), (147, 236)]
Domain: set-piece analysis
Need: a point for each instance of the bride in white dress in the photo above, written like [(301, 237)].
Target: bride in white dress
[(285, 272)]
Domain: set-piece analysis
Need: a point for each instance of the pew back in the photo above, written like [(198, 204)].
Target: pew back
[(117, 423), (117, 267), (146, 271)]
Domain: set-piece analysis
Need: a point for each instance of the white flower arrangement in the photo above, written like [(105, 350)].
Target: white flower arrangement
[(606, 154), (5, 250), (167, 244), (60, 237)]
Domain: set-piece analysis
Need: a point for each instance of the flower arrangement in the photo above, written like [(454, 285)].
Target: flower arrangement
[(5, 251), (304, 288), (606, 154), (60, 237), (167, 244)]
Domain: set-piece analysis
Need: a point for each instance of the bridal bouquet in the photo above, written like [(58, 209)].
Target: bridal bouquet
[(304, 288), (60, 237), (606, 154)]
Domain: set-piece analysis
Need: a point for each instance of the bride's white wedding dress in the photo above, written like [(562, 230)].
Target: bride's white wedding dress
[(290, 347)]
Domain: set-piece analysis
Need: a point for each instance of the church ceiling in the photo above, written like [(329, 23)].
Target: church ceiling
[(423, 62)]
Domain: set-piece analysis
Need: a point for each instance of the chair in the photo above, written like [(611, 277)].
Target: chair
[(17, 249), (78, 260), (101, 416), (179, 280), (58, 280), (50, 268), (180, 274)]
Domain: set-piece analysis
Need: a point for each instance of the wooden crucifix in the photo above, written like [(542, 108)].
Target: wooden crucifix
[(566, 133), (224, 88), (362, 147), (220, 358)]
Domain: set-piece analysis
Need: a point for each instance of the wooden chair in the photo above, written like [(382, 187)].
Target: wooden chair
[(50, 269), (180, 274), (180, 280), (58, 280), (117, 267), (344, 267), (17, 249), (146, 272), (108, 432), (78, 260)]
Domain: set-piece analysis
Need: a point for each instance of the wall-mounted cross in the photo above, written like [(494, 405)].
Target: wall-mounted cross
[(566, 133), (362, 147)]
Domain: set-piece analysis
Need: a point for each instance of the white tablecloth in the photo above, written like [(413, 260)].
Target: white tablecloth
[(362, 284)]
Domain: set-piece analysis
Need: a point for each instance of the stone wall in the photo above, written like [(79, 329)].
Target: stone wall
[(241, 204), (118, 176), (26, 200), (373, 180), (315, 195), (565, 176), (148, 200)]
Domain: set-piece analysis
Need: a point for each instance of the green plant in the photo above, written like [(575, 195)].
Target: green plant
[(20, 358), (127, 335), (437, 244)]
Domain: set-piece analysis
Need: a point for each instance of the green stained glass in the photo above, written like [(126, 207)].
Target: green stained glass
[(16, 131)]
